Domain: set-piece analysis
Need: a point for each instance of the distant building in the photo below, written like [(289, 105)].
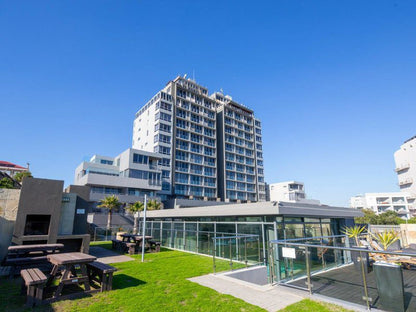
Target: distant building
[(290, 191), (10, 168), (400, 202), (129, 176), (210, 145), (405, 159)]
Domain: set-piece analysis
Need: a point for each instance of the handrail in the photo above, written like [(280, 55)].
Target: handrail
[(348, 248)]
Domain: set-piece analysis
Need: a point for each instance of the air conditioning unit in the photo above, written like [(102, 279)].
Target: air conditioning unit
[(205, 198)]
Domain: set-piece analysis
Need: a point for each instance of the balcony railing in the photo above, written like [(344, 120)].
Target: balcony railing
[(406, 181), (402, 167)]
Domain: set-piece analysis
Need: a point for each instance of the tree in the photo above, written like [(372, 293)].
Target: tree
[(20, 175), (387, 218), (111, 203), (153, 205), (134, 208), (6, 183), (369, 217)]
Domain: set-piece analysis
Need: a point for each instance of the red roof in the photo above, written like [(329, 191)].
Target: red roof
[(10, 165)]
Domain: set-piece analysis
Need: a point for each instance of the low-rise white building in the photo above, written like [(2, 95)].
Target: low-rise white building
[(290, 191), (400, 202), (129, 176)]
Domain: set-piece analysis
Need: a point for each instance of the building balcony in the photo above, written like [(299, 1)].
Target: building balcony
[(406, 182), (402, 167)]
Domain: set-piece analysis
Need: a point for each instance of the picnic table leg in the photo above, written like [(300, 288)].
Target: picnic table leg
[(31, 290), (63, 277), (85, 273), (39, 294)]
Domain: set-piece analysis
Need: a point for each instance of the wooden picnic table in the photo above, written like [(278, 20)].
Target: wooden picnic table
[(134, 237), (69, 275), (24, 250), (26, 256)]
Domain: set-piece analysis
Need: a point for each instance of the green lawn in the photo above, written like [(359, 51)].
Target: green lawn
[(158, 284), (308, 305)]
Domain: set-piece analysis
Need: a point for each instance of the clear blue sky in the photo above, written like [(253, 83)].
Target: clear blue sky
[(332, 81)]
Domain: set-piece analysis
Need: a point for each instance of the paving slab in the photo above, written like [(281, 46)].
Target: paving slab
[(108, 256), (270, 298)]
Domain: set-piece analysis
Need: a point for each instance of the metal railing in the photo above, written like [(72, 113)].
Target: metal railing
[(332, 266), (242, 248)]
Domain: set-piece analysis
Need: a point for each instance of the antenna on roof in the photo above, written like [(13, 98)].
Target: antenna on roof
[(221, 90), (193, 74)]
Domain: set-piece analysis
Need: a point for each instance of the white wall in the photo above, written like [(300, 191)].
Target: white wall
[(406, 156)]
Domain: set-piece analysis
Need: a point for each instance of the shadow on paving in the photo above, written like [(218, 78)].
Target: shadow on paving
[(346, 284)]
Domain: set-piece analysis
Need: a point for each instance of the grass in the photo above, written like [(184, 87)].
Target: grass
[(158, 284), (308, 305)]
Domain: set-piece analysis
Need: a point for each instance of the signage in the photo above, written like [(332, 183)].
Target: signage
[(80, 211), (289, 252)]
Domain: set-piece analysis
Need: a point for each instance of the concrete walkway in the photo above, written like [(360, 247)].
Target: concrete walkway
[(108, 256), (270, 298)]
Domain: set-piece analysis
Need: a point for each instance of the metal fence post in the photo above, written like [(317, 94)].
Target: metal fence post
[(308, 271), (231, 255), (245, 251), (213, 253)]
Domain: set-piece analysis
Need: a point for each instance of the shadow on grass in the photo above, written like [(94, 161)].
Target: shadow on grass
[(121, 281)]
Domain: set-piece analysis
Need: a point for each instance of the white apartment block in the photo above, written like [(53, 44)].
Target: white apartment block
[(210, 145), (129, 176), (399, 202), (290, 191), (405, 159)]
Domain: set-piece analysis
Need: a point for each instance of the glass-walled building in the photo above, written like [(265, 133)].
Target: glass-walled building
[(249, 227)]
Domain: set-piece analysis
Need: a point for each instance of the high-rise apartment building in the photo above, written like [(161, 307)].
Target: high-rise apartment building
[(211, 146), (405, 159)]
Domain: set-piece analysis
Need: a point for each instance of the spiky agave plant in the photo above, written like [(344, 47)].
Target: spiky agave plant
[(353, 232), (385, 238)]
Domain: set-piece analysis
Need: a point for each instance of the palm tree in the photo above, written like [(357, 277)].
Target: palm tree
[(153, 205), (111, 203), (133, 208)]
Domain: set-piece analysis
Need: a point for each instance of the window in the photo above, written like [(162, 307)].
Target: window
[(140, 159), (164, 162), (106, 162), (165, 174), (165, 186), (164, 150)]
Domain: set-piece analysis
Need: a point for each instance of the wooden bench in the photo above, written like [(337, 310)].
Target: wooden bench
[(154, 246), (131, 248), (101, 273), (29, 256), (35, 281)]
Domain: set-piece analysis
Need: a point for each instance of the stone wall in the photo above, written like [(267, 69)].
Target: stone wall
[(9, 202)]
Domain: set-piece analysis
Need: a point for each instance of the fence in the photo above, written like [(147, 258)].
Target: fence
[(332, 266), (243, 248)]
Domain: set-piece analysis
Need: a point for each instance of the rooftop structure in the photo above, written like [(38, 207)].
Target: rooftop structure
[(130, 175), (290, 191), (11, 168)]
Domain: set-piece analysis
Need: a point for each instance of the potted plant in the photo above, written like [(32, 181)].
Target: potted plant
[(389, 275)]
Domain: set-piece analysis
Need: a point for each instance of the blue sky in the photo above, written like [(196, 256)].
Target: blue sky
[(332, 81)]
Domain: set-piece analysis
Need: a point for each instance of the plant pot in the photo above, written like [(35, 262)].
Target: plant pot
[(389, 279)]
